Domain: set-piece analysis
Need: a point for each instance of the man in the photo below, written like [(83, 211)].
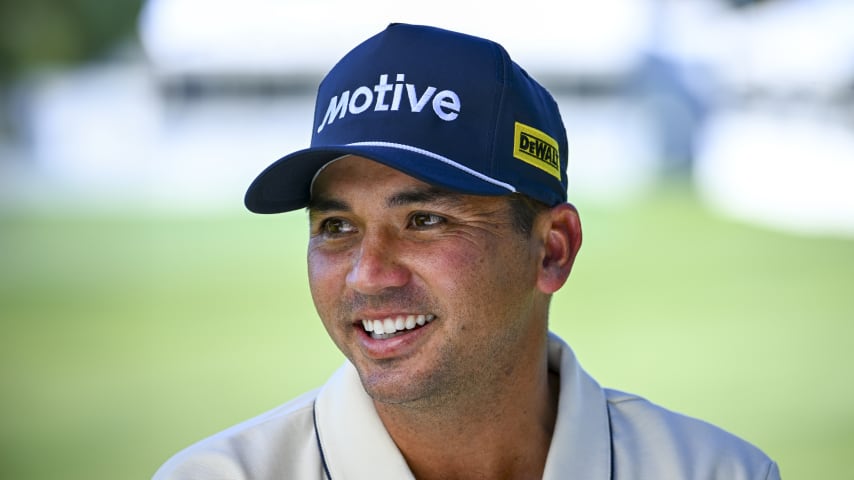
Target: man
[(439, 229)]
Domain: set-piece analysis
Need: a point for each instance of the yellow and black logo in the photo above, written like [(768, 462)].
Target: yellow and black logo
[(536, 148)]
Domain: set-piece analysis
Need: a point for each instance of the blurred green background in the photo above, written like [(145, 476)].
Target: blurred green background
[(126, 338), (129, 333)]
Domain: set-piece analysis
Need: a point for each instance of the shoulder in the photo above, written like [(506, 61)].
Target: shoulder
[(277, 443), (649, 441)]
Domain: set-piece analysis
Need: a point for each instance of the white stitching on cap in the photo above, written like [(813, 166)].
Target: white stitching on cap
[(436, 156), (322, 168)]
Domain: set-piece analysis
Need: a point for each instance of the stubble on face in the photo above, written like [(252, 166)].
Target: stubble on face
[(475, 276)]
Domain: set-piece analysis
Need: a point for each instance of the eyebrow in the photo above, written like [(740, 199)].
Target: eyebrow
[(426, 194), (321, 205)]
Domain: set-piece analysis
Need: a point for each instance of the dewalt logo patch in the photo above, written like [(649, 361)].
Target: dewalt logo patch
[(536, 148)]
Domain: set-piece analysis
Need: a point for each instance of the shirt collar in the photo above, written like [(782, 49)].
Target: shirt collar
[(355, 444), (352, 438), (581, 442)]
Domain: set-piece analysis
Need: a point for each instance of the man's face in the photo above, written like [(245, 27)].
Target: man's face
[(429, 293)]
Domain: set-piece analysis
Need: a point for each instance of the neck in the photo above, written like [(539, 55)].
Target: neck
[(505, 433)]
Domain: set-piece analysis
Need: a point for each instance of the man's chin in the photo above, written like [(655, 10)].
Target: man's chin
[(396, 388)]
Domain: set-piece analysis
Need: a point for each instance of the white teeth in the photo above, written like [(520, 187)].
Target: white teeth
[(387, 327), (388, 323)]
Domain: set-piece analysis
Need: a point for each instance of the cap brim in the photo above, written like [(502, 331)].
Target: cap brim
[(286, 184)]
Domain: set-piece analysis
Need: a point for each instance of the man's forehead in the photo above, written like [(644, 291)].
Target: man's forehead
[(419, 194)]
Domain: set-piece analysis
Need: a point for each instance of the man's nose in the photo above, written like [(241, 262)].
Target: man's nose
[(376, 265)]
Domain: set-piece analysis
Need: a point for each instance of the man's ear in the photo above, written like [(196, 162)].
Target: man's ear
[(561, 242)]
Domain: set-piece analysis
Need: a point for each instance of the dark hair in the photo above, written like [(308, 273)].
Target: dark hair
[(523, 211)]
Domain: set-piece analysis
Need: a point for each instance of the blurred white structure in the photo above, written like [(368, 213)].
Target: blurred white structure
[(274, 37), (779, 150), (757, 100), (783, 169)]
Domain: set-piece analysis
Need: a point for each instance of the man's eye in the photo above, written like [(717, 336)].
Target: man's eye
[(336, 226), (425, 220)]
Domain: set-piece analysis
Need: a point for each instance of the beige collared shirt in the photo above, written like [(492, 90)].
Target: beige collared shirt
[(600, 434)]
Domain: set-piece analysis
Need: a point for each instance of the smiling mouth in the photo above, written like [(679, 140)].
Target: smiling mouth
[(393, 326)]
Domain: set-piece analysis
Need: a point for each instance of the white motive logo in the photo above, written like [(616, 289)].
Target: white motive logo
[(446, 104)]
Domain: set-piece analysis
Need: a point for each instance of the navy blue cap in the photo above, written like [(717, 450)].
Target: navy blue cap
[(447, 108)]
